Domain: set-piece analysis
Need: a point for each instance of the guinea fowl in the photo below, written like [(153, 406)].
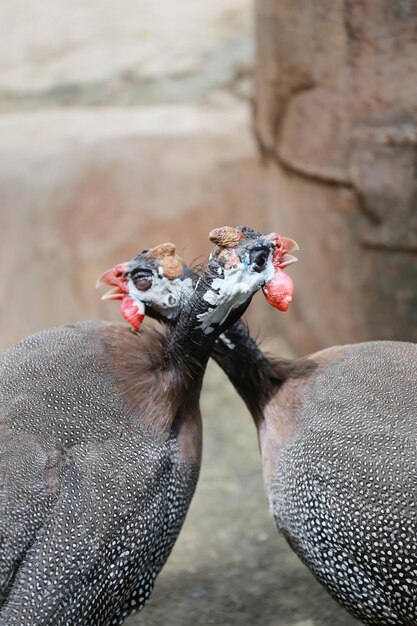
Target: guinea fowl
[(101, 445), (338, 438)]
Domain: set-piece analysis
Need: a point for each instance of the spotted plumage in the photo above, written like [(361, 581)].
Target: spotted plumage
[(91, 501), (344, 488), (100, 448), (338, 438)]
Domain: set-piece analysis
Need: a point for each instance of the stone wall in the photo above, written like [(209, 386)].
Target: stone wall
[(336, 121), (80, 192), (119, 129)]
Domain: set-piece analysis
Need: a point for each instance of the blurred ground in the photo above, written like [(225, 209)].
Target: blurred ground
[(230, 567)]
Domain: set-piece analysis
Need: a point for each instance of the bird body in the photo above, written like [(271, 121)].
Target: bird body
[(95, 484), (100, 444), (338, 438), (340, 465)]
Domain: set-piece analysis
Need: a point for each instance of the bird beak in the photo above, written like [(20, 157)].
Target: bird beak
[(287, 260), (283, 246), (115, 277), (289, 244)]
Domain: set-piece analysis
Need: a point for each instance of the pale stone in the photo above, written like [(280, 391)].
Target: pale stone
[(82, 190), (60, 51), (336, 115)]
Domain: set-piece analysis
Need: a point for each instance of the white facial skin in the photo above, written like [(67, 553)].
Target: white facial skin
[(232, 290), (165, 296)]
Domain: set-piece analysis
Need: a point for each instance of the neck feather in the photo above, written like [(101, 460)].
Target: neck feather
[(255, 376), (200, 324)]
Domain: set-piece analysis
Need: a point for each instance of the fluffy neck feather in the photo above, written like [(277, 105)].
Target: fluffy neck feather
[(255, 376), (208, 312)]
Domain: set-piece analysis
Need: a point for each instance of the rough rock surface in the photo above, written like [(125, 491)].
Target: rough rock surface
[(336, 116), (81, 191), (120, 128), (141, 52)]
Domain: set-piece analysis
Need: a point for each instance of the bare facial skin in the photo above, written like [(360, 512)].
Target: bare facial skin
[(233, 286)]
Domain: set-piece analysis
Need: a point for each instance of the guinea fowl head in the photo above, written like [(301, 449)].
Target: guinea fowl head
[(251, 247), (155, 279), (242, 262)]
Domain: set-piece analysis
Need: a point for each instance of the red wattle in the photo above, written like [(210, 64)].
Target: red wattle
[(280, 290), (132, 313)]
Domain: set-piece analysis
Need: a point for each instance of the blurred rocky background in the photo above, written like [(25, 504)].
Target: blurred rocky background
[(336, 121), (123, 125)]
